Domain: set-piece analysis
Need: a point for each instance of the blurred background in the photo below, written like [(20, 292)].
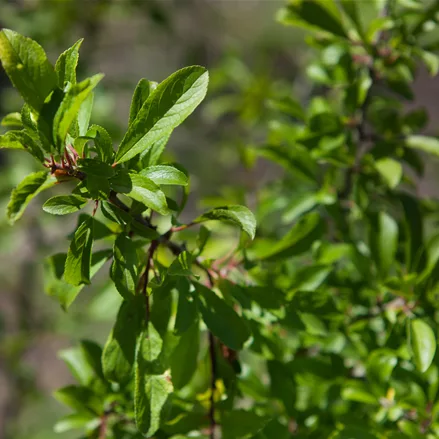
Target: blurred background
[(251, 58)]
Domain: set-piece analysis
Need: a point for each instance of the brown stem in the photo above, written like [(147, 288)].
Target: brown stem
[(212, 355), (152, 249)]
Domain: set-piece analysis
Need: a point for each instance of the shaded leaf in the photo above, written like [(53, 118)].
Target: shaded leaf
[(64, 204), (422, 343)]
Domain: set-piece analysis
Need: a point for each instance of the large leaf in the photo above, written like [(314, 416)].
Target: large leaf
[(221, 319), (239, 215), (64, 204), (423, 344), (21, 196), (119, 351), (166, 108), (27, 66), (152, 383), (65, 66), (141, 189), (78, 262), (165, 174), (188, 346), (69, 108), (125, 266)]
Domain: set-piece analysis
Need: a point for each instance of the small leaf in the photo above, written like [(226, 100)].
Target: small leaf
[(76, 421), (96, 167), (80, 398), (12, 120), (166, 107), (221, 319), (103, 143), (78, 262), (125, 267), (188, 347), (390, 170), (69, 108), (165, 174), (182, 265), (242, 424), (141, 94), (236, 214), (30, 187), (383, 241), (151, 156), (65, 66), (26, 64), (187, 308), (119, 352), (423, 344), (64, 204), (423, 143)]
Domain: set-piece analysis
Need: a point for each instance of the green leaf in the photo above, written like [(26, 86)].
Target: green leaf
[(242, 423), (65, 66), (21, 140), (29, 188), (69, 108), (167, 107), (103, 143), (298, 240), (78, 262), (96, 167), (383, 241), (84, 116), (235, 214), (57, 287), (422, 343), (76, 421), (125, 267), (221, 319), (313, 14), (26, 64), (351, 9), (64, 204), (423, 143), (141, 94), (119, 352), (165, 174), (153, 385), (187, 309), (187, 348), (151, 156), (12, 120), (141, 189), (390, 170), (182, 265), (80, 398)]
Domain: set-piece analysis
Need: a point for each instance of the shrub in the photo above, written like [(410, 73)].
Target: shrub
[(326, 325)]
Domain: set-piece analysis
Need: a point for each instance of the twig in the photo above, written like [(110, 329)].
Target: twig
[(153, 246), (212, 355)]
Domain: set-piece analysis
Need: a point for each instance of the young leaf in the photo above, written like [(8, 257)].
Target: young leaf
[(423, 143), (423, 344), (65, 66), (26, 64), (188, 347), (221, 319), (119, 351), (141, 189), (21, 140), (182, 265), (70, 106), (84, 116), (103, 143), (95, 167), (78, 262), (236, 214), (80, 398), (187, 308), (152, 155), (141, 94), (125, 267), (64, 204), (12, 120), (77, 420), (167, 107), (21, 196), (165, 174)]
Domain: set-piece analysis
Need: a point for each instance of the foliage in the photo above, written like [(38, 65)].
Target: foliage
[(325, 325)]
